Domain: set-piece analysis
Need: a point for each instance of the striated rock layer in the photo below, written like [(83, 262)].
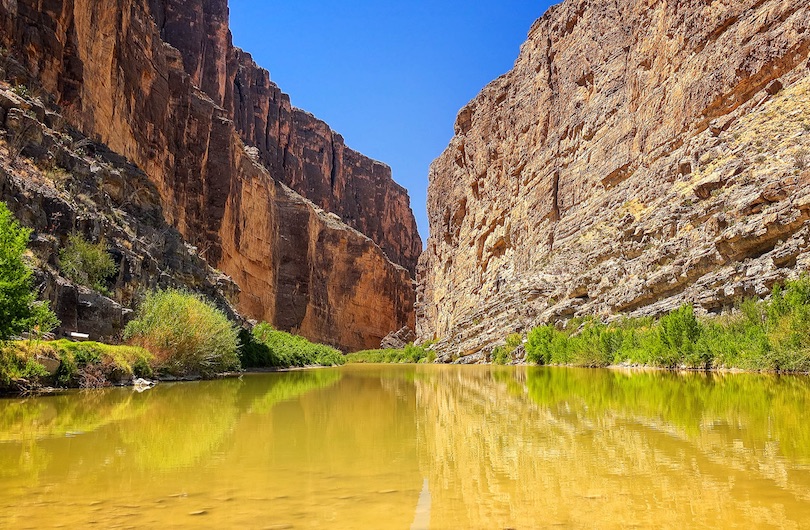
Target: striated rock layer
[(298, 149), (640, 155), (58, 182), (298, 267)]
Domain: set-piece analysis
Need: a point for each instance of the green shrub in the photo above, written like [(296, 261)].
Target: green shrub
[(266, 346), (22, 91), (86, 263), (538, 344), (186, 334), (19, 310), (252, 353), (503, 354), (679, 332), (771, 335)]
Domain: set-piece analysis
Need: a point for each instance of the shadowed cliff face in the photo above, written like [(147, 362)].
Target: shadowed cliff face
[(640, 155), (297, 148), (298, 267)]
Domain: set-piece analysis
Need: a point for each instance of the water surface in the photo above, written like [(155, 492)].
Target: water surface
[(414, 447)]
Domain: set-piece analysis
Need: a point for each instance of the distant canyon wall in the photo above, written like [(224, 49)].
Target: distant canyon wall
[(639, 155), (299, 267), (298, 149)]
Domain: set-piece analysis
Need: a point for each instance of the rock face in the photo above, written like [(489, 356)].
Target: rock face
[(639, 156), (297, 148), (398, 339), (58, 182), (298, 267)]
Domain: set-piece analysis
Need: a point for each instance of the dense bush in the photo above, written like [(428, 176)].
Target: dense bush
[(771, 335), (409, 354), (269, 347), (88, 264), (186, 334), (19, 310)]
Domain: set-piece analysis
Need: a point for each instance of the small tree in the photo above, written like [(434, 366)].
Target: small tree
[(86, 263), (19, 310)]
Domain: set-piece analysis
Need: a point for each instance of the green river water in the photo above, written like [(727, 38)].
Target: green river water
[(414, 447)]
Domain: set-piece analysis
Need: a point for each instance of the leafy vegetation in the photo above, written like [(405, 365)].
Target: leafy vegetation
[(266, 347), (16, 366), (770, 335), (186, 334), (77, 364), (503, 354), (409, 354), (21, 90), (88, 264), (92, 364), (19, 310)]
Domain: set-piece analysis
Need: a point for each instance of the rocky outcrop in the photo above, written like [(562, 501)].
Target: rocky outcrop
[(640, 155), (297, 148), (57, 182), (398, 339), (298, 267)]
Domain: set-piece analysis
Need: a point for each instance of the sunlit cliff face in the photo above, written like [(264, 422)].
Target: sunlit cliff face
[(299, 267), (640, 155)]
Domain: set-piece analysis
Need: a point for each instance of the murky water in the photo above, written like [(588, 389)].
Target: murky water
[(414, 447)]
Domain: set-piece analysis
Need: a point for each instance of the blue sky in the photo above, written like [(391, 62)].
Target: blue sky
[(389, 76)]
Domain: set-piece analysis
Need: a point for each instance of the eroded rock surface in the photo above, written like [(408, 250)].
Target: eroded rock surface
[(299, 267), (640, 155), (398, 339), (298, 149), (58, 182)]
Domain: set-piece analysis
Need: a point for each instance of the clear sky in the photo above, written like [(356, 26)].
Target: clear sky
[(388, 76)]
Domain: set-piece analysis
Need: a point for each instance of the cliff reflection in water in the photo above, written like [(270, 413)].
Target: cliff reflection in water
[(531, 447), (270, 449), (419, 446)]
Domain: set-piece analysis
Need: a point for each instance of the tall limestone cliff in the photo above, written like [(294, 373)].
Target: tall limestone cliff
[(640, 155), (298, 266), (298, 149)]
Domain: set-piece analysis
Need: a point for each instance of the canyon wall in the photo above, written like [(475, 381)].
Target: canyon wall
[(58, 182), (639, 155), (299, 267), (298, 149)]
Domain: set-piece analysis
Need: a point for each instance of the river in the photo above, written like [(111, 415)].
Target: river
[(414, 447)]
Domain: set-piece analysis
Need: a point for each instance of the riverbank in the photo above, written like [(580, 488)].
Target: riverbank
[(41, 367), (410, 354), (53, 369), (771, 335), (30, 365)]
